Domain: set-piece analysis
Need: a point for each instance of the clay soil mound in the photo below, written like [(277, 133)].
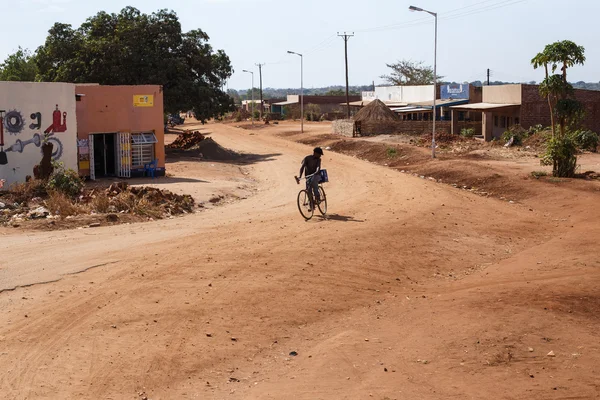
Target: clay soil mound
[(211, 150), (207, 149)]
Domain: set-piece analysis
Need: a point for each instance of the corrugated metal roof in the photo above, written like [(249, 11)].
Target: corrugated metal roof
[(410, 109), (362, 103), (483, 106), (286, 103)]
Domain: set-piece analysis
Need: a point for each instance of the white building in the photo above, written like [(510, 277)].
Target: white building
[(35, 113), (400, 95)]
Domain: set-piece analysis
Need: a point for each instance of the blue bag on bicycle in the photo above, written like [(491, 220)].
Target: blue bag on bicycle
[(324, 177)]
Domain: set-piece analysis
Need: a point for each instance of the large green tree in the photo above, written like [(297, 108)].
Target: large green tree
[(565, 111), (19, 66), (407, 72), (132, 48)]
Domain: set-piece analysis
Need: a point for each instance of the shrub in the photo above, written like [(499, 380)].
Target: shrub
[(561, 154), (467, 132), (535, 129), (312, 112), (392, 152), (65, 180), (586, 140), (519, 134)]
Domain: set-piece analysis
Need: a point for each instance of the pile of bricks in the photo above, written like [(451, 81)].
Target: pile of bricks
[(186, 140)]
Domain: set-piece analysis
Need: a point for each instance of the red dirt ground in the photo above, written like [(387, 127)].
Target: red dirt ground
[(411, 289)]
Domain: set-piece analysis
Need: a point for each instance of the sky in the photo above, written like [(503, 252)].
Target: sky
[(473, 35)]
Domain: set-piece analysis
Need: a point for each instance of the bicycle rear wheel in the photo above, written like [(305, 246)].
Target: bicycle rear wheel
[(323, 204), (304, 205)]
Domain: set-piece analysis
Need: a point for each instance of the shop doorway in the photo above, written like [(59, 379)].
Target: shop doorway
[(110, 155), (104, 160)]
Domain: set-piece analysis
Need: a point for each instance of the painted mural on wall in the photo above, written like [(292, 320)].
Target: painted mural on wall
[(30, 126)]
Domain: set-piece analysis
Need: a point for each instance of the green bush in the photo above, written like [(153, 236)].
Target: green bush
[(467, 132), (561, 154), (256, 115), (586, 140), (392, 152), (535, 129), (312, 112), (518, 133), (65, 180)]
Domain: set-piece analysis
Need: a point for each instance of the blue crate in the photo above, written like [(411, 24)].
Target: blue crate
[(324, 176)]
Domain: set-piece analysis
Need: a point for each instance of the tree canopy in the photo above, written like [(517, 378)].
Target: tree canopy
[(409, 73), (19, 66), (132, 48)]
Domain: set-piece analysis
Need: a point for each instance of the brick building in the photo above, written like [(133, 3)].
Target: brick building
[(504, 106), (326, 104)]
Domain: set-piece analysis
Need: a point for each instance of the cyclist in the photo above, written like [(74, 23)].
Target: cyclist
[(311, 165)]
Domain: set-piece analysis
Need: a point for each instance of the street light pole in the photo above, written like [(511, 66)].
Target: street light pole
[(301, 89), (413, 8), (251, 116)]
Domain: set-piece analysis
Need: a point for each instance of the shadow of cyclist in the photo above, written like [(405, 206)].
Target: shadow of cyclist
[(340, 218)]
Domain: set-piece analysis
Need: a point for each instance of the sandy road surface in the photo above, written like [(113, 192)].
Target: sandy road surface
[(410, 290)]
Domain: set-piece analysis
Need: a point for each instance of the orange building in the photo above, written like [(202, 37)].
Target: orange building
[(119, 130)]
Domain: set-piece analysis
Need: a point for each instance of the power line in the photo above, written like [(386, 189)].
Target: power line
[(450, 15)]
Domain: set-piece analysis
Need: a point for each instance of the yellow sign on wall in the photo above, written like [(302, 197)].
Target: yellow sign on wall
[(143, 100)]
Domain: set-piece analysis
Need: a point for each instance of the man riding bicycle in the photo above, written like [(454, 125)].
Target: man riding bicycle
[(311, 166)]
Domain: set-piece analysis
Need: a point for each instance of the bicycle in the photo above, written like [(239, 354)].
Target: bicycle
[(306, 203)]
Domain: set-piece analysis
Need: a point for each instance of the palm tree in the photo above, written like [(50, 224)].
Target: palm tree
[(565, 54)]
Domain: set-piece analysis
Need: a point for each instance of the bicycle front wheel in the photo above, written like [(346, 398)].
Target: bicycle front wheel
[(323, 204), (304, 205)]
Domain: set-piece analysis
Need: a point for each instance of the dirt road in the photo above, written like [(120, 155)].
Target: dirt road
[(410, 290)]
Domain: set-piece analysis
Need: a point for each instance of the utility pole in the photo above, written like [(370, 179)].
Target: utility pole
[(301, 89), (346, 37), (488, 77), (261, 94), (250, 72)]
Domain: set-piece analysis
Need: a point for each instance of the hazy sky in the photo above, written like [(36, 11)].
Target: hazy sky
[(473, 35)]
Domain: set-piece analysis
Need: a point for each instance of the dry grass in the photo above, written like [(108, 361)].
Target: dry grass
[(100, 203), (23, 192), (60, 204)]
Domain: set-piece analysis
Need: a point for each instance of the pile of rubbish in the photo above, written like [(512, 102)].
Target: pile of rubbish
[(142, 200), (137, 202), (186, 140), (16, 213)]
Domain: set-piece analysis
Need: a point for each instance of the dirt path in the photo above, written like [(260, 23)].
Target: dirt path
[(411, 289)]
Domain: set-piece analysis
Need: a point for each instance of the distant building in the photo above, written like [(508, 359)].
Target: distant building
[(327, 104), (247, 105), (503, 106), (415, 103)]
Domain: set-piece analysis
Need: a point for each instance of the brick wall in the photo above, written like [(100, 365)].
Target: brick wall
[(535, 110), (405, 127)]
